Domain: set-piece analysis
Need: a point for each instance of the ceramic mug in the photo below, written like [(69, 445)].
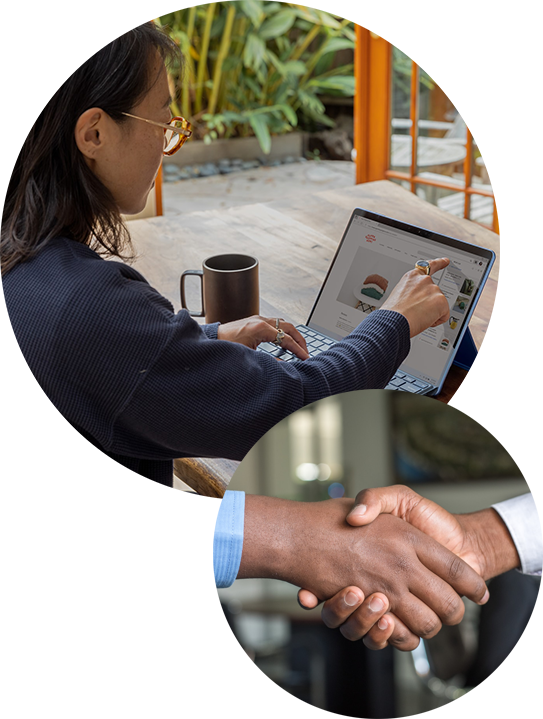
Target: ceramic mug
[(229, 288)]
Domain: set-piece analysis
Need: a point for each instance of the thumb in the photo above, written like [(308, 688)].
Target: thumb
[(307, 600), (370, 503)]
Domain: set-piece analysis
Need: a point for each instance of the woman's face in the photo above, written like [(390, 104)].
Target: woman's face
[(126, 157)]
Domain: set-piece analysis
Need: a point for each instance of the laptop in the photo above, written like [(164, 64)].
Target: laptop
[(374, 252)]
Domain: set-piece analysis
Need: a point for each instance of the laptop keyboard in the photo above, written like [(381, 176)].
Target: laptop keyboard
[(406, 383), (317, 343)]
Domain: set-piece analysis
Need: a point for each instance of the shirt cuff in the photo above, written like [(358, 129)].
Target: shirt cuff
[(211, 330), (521, 519), (228, 539)]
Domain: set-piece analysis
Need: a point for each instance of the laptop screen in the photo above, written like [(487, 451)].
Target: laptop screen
[(373, 255)]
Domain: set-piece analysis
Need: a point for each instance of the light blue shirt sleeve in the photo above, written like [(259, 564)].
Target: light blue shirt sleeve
[(228, 539)]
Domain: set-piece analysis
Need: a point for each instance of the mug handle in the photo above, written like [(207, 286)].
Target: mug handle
[(200, 274)]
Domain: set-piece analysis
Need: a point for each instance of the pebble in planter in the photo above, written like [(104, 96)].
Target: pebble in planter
[(174, 173)]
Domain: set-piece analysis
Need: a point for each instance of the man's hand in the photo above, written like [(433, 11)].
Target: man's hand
[(251, 331), (419, 299), (311, 545), (481, 539), (358, 617)]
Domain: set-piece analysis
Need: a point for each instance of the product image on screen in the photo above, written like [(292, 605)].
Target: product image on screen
[(371, 260), (461, 304), (374, 286), (468, 287)]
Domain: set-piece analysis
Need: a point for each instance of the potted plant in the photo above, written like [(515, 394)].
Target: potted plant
[(257, 69)]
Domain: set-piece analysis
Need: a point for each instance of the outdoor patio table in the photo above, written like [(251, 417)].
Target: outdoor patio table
[(432, 152), (294, 240)]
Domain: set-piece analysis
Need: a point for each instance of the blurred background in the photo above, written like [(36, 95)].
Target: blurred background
[(335, 448)]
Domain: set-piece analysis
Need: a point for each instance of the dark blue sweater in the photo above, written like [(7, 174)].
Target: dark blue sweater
[(146, 385)]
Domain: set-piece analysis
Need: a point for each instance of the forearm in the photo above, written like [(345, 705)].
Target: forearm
[(368, 357), (299, 543), (491, 541), (269, 540)]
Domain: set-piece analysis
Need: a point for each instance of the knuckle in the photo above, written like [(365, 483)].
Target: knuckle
[(400, 637), (410, 643), (349, 632), (328, 620), (372, 645), (456, 568), (363, 494), (430, 628), (331, 617), (453, 610), (479, 587), (402, 563)]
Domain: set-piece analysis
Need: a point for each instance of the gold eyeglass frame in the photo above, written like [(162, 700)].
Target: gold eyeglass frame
[(183, 133)]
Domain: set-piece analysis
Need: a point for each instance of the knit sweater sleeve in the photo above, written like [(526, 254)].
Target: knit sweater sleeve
[(211, 330), (146, 383), (217, 398)]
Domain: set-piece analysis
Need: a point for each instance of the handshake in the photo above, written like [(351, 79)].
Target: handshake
[(391, 565)]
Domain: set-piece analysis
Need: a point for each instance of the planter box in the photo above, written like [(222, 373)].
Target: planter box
[(243, 148)]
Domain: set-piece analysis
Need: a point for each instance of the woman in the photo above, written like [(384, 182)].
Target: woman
[(143, 384)]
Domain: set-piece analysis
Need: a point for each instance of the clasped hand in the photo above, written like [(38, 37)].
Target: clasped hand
[(480, 539), (419, 581)]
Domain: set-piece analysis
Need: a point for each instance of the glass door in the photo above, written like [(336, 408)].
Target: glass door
[(408, 131)]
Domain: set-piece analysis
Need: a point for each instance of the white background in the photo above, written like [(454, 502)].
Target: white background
[(522, 190), (106, 610)]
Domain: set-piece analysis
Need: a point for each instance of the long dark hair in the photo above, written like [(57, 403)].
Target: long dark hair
[(52, 192)]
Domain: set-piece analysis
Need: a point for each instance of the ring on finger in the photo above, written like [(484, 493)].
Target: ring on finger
[(279, 338), (423, 266), (277, 321)]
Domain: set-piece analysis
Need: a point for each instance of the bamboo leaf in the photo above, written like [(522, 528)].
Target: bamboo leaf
[(294, 67), (261, 130), (276, 62), (277, 25), (311, 102), (254, 51), (289, 114), (341, 70), (253, 86), (323, 64), (334, 44), (349, 32), (327, 20), (345, 85), (253, 9)]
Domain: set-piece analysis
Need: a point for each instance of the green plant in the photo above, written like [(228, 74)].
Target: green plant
[(257, 68)]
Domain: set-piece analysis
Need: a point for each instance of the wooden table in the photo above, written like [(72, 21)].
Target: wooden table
[(294, 239)]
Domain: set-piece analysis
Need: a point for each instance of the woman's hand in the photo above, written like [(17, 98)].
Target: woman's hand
[(419, 299), (251, 331)]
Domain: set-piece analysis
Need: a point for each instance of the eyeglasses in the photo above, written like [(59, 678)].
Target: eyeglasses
[(176, 132)]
